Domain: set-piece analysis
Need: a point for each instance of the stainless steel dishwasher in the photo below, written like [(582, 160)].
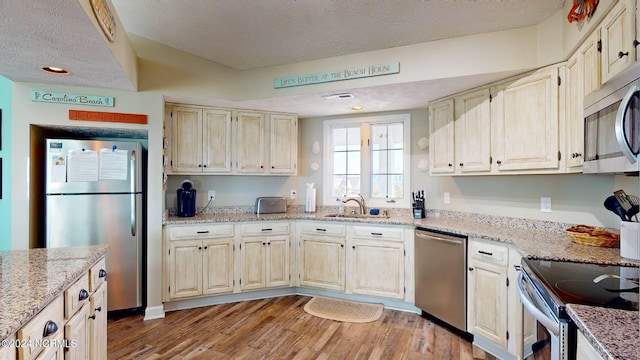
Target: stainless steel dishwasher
[(441, 276)]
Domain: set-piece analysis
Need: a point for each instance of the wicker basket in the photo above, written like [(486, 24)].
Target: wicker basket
[(588, 239)]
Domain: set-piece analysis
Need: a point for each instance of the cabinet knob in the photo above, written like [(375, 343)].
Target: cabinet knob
[(50, 328), (199, 165), (470, 269), (450, 165), (341, 245), (621, 54), (499, 162), (269, 243), (92, 317), (264, 243), (579, 154), (354, 247), (636, 43), (199, 247), (83, 295), (461, 164), (102, 273), (204, 165), (99, 308), (273, 167), (261, 167), (205, 247)]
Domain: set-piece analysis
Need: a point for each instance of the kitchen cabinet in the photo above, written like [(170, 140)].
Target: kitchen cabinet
[(265, 252), (200, 260), (525, 122), (322, 255), (250, 142), (377, 261), (283, 137), (589, 57), (77, 333), (473, 132), (9, 352), (574, 110), (441, 137), (98, 323), (617, 32), (201, 140), (586, 351)]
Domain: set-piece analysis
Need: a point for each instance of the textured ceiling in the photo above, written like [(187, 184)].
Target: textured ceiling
[(249, 34)]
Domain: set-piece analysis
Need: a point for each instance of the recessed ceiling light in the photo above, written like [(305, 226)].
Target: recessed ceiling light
[(338, 96), (357, 108), (55, 70)]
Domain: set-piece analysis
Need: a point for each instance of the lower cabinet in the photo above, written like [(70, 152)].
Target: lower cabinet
[(265, 250), (322, 258), (494, 311), (586, 351), (67, 328)]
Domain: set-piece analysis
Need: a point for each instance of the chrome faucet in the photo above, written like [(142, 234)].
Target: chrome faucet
[(359, 202)]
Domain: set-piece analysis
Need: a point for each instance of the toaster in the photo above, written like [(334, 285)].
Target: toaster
[(271, 205)]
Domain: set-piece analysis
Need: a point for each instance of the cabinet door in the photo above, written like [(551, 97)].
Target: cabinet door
[(253, 250), (589, 57), (185, 272), (216, 141), (525, 122), (98, 323), (283, 143), (217, 266), (617, 32), (487, 302), (250, 142), (473, 132), (277, 271), (186, 139), (441, 137), (78, 333), (322, 262), (584, 349), (52, 352), (377, 268), (573, 115)]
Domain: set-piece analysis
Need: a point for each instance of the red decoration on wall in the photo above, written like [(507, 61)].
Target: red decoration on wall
[(107, 117), (582, 9)]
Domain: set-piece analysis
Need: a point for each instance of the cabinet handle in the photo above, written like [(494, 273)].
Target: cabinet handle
[(321, 229), (354, 247), (269, 243), (99, 308), (461, 164), (273, 167), (499, 162), (450, 165), (636, 43), (376, 234), (267, 229), (199, 165), (92, 317), (621, 54), (83, 295), (264, 243), (50, 328), (470, 269), (199, 247), (102, 273), (485, 253), (341, 245), (204, 165), (261, 167), (205, 247), (202, 232)]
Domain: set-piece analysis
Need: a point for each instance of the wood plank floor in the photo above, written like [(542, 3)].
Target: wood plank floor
[(279, 328)]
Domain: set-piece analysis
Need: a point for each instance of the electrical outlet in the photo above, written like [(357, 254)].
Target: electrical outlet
[(447, 198), (212, 195), (545, 204), (293, 194)]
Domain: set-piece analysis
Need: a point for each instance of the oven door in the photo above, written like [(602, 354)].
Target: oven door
[(559, 330)]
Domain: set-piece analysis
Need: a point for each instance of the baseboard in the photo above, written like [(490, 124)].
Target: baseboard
[(153, 312)]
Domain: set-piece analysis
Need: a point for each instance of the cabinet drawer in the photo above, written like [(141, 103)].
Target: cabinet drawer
[(97, 275), (51, 318), (323, 228), (265, 229), (493, 253), (76, 296), (200, 232), (377, 232)]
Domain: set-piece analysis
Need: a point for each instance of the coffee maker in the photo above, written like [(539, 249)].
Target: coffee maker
[(186, 199)]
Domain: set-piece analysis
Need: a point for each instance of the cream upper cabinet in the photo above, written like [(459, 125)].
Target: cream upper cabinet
[(589, 58), (525, 122), (617, 32), (473, 132), (250, 142), (201, 140), (441, 137), (574, 110), (283, 156)]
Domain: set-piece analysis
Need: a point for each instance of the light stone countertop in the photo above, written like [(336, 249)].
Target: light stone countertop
[(615, 334), (31, 279)]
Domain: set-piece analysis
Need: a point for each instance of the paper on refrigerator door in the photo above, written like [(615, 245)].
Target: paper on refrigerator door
[(58, 168), (113, 164), (82, 165)]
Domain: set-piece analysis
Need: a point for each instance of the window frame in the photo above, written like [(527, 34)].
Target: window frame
[(365, 123)]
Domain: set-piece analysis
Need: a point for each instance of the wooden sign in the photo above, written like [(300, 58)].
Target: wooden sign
[(338, 75), (107, 117), (75, 99)]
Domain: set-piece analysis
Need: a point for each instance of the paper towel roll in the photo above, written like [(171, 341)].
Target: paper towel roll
[(310, 205), (630, 240)]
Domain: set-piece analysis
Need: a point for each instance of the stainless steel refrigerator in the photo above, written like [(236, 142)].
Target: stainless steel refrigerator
[(93, 192)]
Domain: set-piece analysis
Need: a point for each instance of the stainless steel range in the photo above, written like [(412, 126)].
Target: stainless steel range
[(546, 287)]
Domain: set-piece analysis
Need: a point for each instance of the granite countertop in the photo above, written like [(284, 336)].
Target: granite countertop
[(613, 333), (31, 279)]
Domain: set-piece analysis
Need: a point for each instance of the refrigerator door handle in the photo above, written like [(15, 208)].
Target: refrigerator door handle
[(134, 207)]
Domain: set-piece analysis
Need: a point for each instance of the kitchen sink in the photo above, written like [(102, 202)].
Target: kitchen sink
[(356, 216)]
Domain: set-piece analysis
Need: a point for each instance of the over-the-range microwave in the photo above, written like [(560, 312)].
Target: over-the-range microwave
[(612, 125)]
